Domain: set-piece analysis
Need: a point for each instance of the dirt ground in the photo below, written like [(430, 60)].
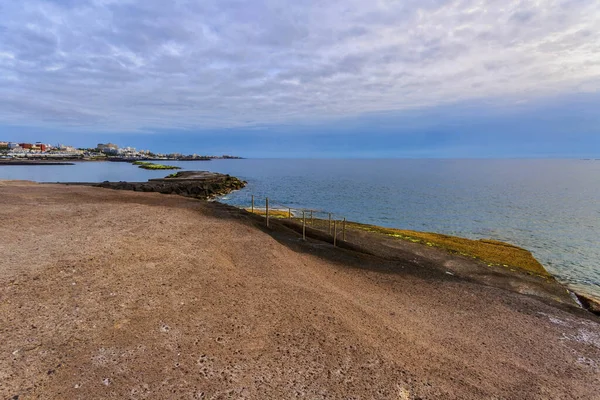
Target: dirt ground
[(111, 294)]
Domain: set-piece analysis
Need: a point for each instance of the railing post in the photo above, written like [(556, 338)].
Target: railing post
[(334, 233), (303, 225), (312, 221), (267, 210), (344, 230), (252, 204), (289, 213), (330, 223)]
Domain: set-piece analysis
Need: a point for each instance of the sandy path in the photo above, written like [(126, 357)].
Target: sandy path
[(110, 294)]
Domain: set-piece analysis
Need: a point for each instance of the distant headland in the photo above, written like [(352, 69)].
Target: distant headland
[(15, 151)]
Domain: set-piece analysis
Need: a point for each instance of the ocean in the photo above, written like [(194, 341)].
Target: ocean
[(550, 207)]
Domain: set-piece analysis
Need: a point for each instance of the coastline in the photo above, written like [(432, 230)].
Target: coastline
[(213, 185), (512, 266), (35, 162), (197, 184), (500, 259), (485, 261), (106, 293), (52, 159)]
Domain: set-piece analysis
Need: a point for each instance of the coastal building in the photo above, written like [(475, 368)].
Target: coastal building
[(12, 145), (40, 146), (25, 145), (102, 146), (109, 148), (68, 149)]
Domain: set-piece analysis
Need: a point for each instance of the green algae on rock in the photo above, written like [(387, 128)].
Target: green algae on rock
[(153, 166), (487, 250), (491, 252)]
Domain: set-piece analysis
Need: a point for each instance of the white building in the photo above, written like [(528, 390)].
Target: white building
[(108, 148)]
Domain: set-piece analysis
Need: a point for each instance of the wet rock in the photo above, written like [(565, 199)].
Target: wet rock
[(589, 304)]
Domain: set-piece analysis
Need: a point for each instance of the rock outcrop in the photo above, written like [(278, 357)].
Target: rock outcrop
[(197, 184)]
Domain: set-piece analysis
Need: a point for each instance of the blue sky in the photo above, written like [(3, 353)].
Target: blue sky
[(437, 78)]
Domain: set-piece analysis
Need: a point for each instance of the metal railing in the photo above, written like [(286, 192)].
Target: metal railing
[(324, 221)]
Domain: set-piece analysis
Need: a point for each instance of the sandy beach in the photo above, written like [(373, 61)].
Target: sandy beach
[(116, 294)]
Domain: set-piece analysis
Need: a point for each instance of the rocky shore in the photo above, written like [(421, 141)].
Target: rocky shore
[(197, 184), (207, 185)]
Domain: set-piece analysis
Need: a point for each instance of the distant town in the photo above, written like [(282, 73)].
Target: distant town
[(102, 152)]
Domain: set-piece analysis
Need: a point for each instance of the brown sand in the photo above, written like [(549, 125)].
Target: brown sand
[(112, 294)]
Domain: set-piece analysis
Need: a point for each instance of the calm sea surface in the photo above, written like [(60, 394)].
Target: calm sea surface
[(551, 207)]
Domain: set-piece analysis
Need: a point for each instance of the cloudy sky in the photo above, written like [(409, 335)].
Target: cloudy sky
[(305, 78)]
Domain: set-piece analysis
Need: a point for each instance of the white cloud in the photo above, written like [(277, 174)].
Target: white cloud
[(129, 65)]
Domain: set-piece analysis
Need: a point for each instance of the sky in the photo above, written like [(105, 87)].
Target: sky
[(308, 78)]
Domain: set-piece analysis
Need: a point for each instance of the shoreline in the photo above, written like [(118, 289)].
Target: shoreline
[(50, 159), (526, 262), (206, 186), (35, 162), (215, 185), (197, 184)]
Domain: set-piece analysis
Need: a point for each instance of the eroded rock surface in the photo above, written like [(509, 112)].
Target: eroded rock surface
[(197, 184)]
